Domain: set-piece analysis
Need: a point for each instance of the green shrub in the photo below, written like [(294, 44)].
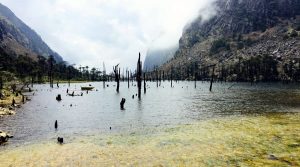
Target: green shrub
[(249, 42), (285, 37), (218, 45), (240, 45), (294, 33)]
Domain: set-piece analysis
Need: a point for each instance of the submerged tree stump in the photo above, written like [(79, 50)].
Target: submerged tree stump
[(122, 103), (55, 124), (144, 83), (58, 97), (60, 140)]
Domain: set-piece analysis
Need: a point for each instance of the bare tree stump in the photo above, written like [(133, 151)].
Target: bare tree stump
[(55, 124), (60, 140), (13, 103), (144, 83), (58, 97), (122, 103)]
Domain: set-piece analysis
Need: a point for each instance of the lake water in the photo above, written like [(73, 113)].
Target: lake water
[(97, 111), (234, 125)]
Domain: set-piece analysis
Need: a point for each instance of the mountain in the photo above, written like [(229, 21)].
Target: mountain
[(157, 57), (243, 33), (16, 38)]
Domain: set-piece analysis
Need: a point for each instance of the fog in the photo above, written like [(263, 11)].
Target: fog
[(111, 31)]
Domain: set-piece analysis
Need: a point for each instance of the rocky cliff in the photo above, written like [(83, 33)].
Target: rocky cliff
[(239, 32), (16, 38)]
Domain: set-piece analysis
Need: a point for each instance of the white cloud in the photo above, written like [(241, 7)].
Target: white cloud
[(114, 31)]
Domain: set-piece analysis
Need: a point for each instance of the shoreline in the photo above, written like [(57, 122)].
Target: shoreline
[(243, 141), (11, 99), (6, 104)]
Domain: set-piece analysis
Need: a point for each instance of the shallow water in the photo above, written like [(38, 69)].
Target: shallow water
[(270, 140), (85, 124)]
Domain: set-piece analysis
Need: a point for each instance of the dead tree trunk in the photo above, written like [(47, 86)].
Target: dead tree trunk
[(128, 79), (1, 83), (32, 80), (117, 79), (195, 78), (144, 83), (139, 75), (159, 78), (69, 76), (51, 63), (119, 73), (156, 73), (171, 77), (195, 74), (212, 78), (131, 77), (104, 75), (1, 86)]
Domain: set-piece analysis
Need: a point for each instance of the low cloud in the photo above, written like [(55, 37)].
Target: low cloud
[(113, 31)]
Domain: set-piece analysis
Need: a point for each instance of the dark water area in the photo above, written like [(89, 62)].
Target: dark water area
[(97, 111)]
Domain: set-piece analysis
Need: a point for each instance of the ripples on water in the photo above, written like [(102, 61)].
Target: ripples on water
[(95, 112)]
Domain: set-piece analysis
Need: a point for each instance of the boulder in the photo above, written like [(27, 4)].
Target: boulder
[(6, 111), (4, 137)]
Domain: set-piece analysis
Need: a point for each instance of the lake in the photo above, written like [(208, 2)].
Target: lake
[(85, 118)]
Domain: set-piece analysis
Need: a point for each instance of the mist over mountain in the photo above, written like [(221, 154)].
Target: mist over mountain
[(157, 57), (240, 33), (16, 38)]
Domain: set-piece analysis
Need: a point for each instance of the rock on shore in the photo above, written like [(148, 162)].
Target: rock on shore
[(4, 137), (6, 111)]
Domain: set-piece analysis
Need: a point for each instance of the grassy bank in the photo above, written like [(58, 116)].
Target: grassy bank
[(270, 140)]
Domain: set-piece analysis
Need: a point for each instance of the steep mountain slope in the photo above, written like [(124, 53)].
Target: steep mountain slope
[(16, 38), (157, 57), (242, 31)]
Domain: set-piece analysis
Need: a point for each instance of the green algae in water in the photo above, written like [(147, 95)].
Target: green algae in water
[(270, 140)]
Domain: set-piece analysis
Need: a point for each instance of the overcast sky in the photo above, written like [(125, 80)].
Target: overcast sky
[(88, 32)]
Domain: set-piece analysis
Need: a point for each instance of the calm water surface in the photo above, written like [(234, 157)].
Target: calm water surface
[(95, 112)]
